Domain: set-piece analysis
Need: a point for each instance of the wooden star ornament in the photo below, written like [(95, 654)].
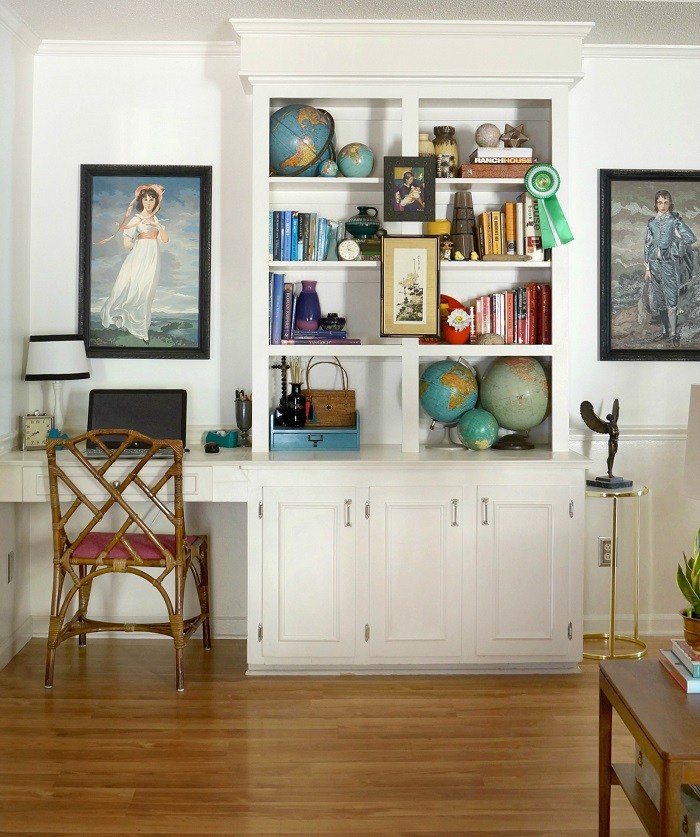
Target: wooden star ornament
[(514, 136)]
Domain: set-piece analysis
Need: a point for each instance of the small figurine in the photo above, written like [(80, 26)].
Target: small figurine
[(474, 256), (446, 247), (610, 427)]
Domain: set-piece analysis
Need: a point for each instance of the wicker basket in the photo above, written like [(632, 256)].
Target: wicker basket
[(330, 407)]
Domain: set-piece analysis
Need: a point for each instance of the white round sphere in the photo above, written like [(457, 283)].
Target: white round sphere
[(487, 135)]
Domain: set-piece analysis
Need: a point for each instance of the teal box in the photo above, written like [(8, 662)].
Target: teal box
[(315, 439), (223, 438)]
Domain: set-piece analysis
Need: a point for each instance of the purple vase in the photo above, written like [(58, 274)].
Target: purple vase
[(308, 310)]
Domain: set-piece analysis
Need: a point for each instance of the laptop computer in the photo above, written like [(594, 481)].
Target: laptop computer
[(158, 413)]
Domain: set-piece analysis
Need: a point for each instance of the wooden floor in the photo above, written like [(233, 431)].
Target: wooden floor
[(114, 749)]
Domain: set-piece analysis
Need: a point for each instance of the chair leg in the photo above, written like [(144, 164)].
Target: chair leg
[(83, 599), (202, 582), (179, 670), (55, 623)]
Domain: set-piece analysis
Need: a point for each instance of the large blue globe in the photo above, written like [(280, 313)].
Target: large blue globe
[(447, 389), (301, 137)]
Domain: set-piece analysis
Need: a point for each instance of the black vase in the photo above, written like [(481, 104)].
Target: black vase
[(295, 413)]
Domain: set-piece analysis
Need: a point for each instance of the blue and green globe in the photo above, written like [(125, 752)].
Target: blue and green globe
[(355, 160), (447, 389), (516, 391), (301, 137), (477, 429)]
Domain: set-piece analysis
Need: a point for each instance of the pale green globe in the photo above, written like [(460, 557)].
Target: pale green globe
[(516, 391)]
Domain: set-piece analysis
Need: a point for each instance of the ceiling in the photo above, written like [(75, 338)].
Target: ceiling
[(660, 22)]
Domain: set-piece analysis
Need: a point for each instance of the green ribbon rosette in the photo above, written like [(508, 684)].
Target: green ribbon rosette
[(542, 182)]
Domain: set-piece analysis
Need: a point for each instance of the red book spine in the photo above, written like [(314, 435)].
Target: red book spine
[(531, 313), (545, 315)]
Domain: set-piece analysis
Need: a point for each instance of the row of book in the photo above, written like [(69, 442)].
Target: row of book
[(521, 316), (298, 236), (283, 298), (682, 662), (512, 230)]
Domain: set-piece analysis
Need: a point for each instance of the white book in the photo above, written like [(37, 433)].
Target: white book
[(524, 153), (520, 228)]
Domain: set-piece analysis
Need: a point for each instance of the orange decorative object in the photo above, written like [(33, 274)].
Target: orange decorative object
[(452, 335)]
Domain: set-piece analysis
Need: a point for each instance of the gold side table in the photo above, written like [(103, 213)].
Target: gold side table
[(640, 648)]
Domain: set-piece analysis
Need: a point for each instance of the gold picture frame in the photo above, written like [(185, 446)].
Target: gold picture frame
[(410, 286)]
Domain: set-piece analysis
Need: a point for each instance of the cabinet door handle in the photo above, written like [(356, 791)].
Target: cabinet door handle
[(484, 511), (348, 522), (454, 503)]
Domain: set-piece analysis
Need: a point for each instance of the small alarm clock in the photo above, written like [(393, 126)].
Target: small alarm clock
[(34, 430), (348, 249)]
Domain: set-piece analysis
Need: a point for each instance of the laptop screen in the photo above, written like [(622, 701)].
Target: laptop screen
[(158, 413)]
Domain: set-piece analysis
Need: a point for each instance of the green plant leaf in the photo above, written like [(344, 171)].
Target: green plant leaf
[(686, 588)]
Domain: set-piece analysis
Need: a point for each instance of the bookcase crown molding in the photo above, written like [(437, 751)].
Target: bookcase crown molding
[(293, 48)]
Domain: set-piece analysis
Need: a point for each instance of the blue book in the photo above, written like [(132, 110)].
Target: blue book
[(287, 236), (276, 308), (679, 672), (294, 248), (276, 235)]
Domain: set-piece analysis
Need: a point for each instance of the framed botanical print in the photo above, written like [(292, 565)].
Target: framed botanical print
[(145, 260), (649, 270), (410, 286), (409, 188)]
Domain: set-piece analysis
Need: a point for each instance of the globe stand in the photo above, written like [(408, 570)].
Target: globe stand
[(446, 442), (513, 441)]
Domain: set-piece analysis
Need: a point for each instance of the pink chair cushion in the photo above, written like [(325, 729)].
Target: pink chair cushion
[(96, 542)]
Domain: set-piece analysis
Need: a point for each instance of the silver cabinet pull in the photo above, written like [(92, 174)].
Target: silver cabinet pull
[(454, 503), (484, 511), (348, 522)]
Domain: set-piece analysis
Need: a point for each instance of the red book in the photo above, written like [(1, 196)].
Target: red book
[(544, 319), (531, 307), (510, 317)]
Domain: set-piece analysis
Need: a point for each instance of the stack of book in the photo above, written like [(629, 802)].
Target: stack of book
[(512, 231), (498, 162), (298, 236), (682, 662), (283, 296), (520, 316)]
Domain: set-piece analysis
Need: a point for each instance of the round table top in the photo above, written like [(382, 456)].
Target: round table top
[(630, 491)]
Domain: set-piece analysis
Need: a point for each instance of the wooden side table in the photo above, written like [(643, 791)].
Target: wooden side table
[(640, 648), (665, 722)]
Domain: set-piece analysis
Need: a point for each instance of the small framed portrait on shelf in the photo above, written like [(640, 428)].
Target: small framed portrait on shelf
[(410, 286), (649, 264), (145, 261), (409, 188)]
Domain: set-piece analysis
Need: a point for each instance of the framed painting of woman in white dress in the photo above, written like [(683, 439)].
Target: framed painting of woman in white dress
[(145, 260)]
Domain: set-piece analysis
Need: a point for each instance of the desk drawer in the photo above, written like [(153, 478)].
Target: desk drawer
[(648, 778), (196, 484)]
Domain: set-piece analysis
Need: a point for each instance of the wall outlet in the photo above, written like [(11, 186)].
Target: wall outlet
[(604, 552), (10, 566)]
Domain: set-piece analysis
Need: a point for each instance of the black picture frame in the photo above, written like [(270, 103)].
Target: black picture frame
[(635, 311), (152, 300), (410, 286), (399, 202)]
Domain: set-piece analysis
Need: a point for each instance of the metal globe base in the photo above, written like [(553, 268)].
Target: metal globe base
[(445, 442), (513, 441)]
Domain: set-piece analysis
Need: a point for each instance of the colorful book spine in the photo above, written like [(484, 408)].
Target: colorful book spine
[(510, 228), (294, 238), (496, 234), (321, 341), (687, 655), (287, 309), (276, 307), (287, 235)]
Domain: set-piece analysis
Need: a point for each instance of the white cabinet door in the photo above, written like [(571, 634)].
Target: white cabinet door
[(522, 595), (415, 576), (308, 572)]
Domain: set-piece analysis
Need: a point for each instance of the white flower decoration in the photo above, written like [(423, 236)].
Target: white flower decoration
[(458, 319)]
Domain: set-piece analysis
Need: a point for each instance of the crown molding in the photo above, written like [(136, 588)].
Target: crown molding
[(126, 49), (644, 52), (19, 29)]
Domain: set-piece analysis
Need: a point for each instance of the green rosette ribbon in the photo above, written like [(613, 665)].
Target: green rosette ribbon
[(542, 182)]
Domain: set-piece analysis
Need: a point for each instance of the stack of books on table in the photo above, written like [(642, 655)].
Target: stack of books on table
[(321, 338), (498, 162), (682, 662)]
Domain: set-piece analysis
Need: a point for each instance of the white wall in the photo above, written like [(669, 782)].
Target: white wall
[(632, 113), (16, 59)]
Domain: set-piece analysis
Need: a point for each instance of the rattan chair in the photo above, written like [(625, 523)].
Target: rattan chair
[(88, 494)]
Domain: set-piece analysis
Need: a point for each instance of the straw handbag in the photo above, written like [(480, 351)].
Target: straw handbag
[(330, 407)]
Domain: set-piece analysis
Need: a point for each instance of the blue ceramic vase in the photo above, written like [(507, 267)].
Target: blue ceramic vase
[(308, 310)]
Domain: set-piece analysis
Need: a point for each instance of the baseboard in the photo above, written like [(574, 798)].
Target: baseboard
[(15, 642), (664, 624)]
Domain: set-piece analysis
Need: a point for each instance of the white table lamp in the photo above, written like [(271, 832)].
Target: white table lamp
[(691, 480), (56, 358)]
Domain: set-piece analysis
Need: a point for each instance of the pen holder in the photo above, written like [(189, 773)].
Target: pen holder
[(223, 438)]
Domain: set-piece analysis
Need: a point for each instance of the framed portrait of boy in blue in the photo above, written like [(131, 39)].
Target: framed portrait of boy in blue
[(145, 261)]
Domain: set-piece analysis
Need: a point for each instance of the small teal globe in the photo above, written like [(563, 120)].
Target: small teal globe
[(301, 137), (355, 160), (447, 389), (328, 168), (477, 429), (516, 391)]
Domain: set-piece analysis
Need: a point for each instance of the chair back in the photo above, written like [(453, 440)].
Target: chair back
[(112, 486)]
